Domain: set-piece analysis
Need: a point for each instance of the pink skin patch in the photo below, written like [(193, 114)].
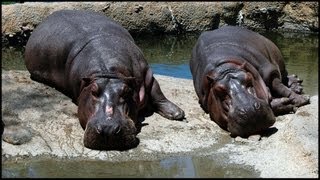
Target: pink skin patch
[(141, 94), (147, 83), (109, 110)]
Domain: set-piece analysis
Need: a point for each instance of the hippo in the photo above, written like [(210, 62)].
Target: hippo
[(94, 61), (241, 81)]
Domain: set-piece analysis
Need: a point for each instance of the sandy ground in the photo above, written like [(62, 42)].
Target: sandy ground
[(48, 126)]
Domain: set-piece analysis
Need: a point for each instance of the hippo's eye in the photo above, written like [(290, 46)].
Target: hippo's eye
[(248, 79), (249, 84), (220, 89), (95, 90), (126, 92)]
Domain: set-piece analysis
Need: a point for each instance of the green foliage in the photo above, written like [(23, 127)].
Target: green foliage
[(10, 2), (7, 2)]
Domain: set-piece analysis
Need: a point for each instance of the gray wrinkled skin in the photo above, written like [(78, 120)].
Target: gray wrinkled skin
[(241, 80), (94, 61)]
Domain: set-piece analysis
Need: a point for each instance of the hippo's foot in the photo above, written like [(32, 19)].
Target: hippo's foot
[(282, 106), (169, 110), (290, 100), (162, 105), (294, 84), (299, 100), (286, 105)]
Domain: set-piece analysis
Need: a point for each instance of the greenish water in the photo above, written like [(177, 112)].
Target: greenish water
[(168, 55), (172, 167)]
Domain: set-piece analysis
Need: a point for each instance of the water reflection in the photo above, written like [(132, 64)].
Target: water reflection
[(12, 58), (185, 165), (167, 49), (173, 70), (169, 55), (301, 56), (174, 167)]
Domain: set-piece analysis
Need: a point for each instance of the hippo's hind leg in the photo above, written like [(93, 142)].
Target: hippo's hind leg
[(289, 100), (294, 84), (41, 78)]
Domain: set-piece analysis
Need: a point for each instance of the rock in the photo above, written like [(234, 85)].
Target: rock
[(251, 138), (19, 20), (16, 135), (293, 148), (301, 17), (289, 150), (256, 137)]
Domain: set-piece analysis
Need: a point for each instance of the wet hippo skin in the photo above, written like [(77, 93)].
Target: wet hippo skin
[(241, 80), (94, 61)]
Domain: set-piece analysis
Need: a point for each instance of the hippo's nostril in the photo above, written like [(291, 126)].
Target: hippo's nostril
[(108, 130), (99, 129), (256, 105), (117, 129), (242, 111)]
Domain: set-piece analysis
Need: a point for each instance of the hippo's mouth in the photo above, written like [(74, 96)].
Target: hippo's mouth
[(227, 103), (225, 106), (251, 118), (123, 141)]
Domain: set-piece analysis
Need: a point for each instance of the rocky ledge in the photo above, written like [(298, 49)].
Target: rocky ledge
[(19, 20), (41, 122)]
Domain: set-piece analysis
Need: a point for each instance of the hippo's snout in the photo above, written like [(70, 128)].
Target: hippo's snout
[(110, 134), (250, 118), (108, 130)]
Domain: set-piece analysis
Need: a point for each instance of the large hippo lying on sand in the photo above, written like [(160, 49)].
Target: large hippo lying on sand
[(95, 62), (241, 80)]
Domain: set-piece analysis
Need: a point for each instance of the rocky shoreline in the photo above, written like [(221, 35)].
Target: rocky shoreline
[(19, 20), (42, 123), (46, 125)]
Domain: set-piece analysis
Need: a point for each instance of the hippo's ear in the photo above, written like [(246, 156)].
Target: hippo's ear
[(87, 79), (129, 80), (125, 78), (85, 82)]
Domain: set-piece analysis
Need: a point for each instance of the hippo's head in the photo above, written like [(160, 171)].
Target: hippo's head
[(107, 110), (238, 99)]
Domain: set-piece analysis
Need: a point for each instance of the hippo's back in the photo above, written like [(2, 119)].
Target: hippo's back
[(239, 43), (60, 37), (66, 29), (67, 26)]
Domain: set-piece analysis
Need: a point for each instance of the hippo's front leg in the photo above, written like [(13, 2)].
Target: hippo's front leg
[(163, 106), (160, 103)]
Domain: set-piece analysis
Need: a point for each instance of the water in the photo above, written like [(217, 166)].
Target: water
[(168, 55), (174, 167)]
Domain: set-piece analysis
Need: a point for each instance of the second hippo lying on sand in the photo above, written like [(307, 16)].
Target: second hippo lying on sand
[(241, 80)]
